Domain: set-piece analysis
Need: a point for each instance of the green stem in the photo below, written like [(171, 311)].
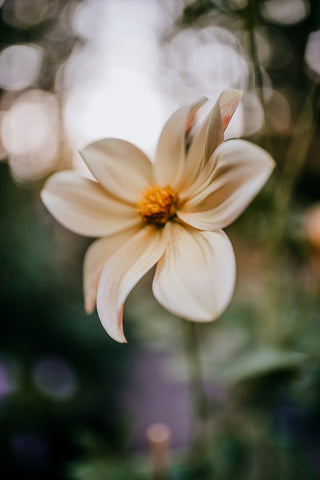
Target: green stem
[(295, 157), (293, 165), (258, 78), (251, 20), (197, 389)]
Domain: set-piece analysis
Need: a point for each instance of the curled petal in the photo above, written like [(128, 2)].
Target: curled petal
[(84, 207), (95, 259), (210, 135), (240, 171), (122, 272), (195, 277), (228, 102), (119, 166), (171, 150)]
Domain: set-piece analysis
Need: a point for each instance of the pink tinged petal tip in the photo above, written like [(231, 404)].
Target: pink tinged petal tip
[(228, 103), (209, 137), (195, 277), (122, 272), (171, 149), (90, 295)]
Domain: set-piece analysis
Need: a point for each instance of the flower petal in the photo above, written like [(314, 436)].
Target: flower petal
[(210, 135), (84, 207), (95, 259), (122, 272), (240, 170), (228, 102), (119, 166), (171, 150), (195, 277)]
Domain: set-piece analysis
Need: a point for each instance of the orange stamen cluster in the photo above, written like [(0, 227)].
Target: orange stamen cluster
[(157, 204)]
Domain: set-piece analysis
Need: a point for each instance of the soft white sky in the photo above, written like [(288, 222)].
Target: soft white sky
[(131, 69), (123, 82)]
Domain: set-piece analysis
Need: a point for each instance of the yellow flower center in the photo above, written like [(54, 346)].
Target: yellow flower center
[(157, 204)]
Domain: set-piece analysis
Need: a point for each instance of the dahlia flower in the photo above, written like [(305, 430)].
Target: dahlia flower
[(170, 212)]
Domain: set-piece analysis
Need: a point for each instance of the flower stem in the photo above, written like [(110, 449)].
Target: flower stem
[(294, 161), (296, 156), (251, 21), (197, 389), (257, 77)]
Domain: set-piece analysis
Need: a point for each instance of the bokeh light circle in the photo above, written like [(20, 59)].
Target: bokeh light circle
[(55, 377)]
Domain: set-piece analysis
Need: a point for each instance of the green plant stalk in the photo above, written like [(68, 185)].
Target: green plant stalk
[(253, 51), (197, 390), (251, 20), (294, 159), (293, 164)]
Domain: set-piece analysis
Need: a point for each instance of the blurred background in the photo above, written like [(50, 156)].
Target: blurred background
[(74, 404)]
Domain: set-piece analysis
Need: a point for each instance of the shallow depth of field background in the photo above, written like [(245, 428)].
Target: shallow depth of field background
[(74, 404)]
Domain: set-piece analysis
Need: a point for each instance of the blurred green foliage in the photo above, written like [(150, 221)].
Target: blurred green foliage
[(42, 318), (262, 356)]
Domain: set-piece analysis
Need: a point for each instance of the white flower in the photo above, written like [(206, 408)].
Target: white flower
[(171, 211)]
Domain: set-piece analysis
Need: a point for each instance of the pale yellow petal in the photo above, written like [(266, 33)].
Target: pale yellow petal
[(240, 171), (119, 166), (95, 259), (122, 272), (209, 137), (171, 150), (228, 103), (84, 207), (195, 277)]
